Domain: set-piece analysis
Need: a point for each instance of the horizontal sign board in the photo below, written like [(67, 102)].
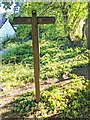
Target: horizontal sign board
[(28, 20)]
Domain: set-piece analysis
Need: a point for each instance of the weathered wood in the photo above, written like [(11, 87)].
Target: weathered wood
[(34, 20), (36, 54), (28, 20), (45, 20), (22, 20)]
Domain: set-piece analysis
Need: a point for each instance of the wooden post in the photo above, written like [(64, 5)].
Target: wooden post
[(34, 20), (36, 54)]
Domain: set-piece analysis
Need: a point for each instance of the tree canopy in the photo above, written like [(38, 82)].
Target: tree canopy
[(68, 16)]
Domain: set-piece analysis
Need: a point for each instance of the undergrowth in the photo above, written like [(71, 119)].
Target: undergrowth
[(17, 61), (68, 99)]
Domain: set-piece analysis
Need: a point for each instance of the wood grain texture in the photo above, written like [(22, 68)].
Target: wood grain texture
[(28, 20), (22, 20), (36, 54), (34, 20)]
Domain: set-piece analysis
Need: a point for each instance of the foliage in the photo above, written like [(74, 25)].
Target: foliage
[(56, 58), (67, 14), (18, 52), (68, 99), (16, 75), (6, 5)]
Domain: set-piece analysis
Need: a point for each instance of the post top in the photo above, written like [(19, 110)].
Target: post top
[(34, 11)]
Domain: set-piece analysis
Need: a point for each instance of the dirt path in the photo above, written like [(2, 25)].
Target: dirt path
[(6, 99)]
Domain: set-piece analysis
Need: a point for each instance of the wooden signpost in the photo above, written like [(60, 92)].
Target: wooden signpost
[(34, 20)]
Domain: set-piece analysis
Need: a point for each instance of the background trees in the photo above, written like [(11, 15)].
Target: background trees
[(70, 18), (58, 57)]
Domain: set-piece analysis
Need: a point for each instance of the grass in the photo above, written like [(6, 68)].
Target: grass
[(54, 62), (67, 99)]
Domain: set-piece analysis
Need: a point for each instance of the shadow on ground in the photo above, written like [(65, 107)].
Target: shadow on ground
[(81, 108)]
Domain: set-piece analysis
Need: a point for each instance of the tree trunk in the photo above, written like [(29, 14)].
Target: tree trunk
[(88, 37), (88, 30)]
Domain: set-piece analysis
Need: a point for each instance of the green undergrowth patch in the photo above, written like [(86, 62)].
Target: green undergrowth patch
[(17, 61), (69, 99), (16, 75), (18, 52)]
